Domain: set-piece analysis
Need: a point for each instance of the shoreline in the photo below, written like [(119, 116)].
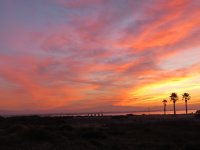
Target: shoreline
[(157, 112)]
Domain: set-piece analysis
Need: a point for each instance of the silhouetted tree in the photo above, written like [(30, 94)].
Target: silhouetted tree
[(186, 97), (174, 98), (165, 104)]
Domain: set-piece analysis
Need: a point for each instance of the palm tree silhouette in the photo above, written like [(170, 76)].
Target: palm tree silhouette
[(174, 98), (186, 97), (165, 104)]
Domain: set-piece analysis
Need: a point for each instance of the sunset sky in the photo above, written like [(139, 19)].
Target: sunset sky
[(98, 55)]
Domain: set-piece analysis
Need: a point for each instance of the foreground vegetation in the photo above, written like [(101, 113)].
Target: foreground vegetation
[(100, 133)]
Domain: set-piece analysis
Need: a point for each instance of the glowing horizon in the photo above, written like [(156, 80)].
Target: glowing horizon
[(66, 55)]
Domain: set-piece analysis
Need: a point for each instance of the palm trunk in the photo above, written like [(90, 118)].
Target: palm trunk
[(174, 109), (186, 109), (164, 109)]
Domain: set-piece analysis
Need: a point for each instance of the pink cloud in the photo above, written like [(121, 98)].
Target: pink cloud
[(93, 57)]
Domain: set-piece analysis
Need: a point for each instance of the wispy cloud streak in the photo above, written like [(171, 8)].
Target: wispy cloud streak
[(79, 55)]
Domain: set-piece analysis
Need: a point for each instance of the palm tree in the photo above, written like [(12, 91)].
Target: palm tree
[(186, 97), (165, 104), (174, 98)]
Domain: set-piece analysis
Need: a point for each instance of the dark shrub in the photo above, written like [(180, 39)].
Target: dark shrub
[(130, 115), (92, 133), (197, 114), (119, 117), (16, 128), (2, 118), (66, 128), (192, 146), (37, 134)]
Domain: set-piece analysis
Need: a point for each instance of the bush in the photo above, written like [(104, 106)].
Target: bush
[(37, 134), (130, 115), (197, 114), (92, 133)]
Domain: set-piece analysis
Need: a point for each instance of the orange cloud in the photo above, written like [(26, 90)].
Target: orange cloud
[(92, 55)]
